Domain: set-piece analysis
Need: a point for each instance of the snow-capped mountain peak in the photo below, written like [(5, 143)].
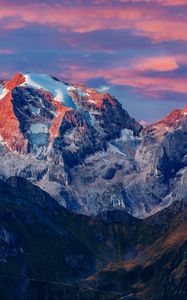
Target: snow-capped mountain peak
[(58, 89), (82, 147), (33, 101)]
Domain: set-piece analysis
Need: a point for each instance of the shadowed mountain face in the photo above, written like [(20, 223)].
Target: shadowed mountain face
[(84, 149), (47, 252)]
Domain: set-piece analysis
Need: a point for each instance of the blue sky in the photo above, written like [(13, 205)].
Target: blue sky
[(134, 49)]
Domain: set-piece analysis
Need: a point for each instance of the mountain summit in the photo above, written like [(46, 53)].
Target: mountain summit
[(34, 106), (83, 148)]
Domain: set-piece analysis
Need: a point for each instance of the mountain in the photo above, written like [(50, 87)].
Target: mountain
[(67, 149), (80, 146), (48, 252)]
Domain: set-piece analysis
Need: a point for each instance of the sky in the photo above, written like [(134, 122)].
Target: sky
[(133, 49)]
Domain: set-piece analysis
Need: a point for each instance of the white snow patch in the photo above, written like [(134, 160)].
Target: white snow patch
[(35, 110), (78, 90), (92, 119), (58, 89), (117, 201), (103, 89), (3, 92), (114, 149), (2, 142), (125, 144), (126, 135), (38, 135), (38, 128)]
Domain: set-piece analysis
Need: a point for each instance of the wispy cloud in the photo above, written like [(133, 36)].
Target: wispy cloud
[(6, 51), (158, 63), (156, 21), (138, 45), (137, 76)]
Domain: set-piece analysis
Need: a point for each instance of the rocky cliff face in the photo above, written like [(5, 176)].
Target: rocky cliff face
[(83, 148), (162, 156)]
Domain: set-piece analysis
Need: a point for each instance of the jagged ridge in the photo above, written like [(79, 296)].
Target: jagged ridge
[(83, 148)]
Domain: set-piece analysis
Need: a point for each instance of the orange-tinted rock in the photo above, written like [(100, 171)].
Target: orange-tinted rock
[(61, 110), (91, 97), (184, 110), (94, 107), (16, 81), (168, 123), (173, 117), (9, 126), (99, 99)]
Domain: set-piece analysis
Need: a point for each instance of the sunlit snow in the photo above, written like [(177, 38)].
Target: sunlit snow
[(3, 92), (58, 89), (38, 128), (38, 134), (78, 91)]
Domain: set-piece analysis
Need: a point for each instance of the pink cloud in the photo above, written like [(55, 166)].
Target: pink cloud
[(162, 29), (83, 19), (6, 51), (4, 74), (155, 22), (158, 63), (123, 76), (11, 25), (150, 84), (161, 2)]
